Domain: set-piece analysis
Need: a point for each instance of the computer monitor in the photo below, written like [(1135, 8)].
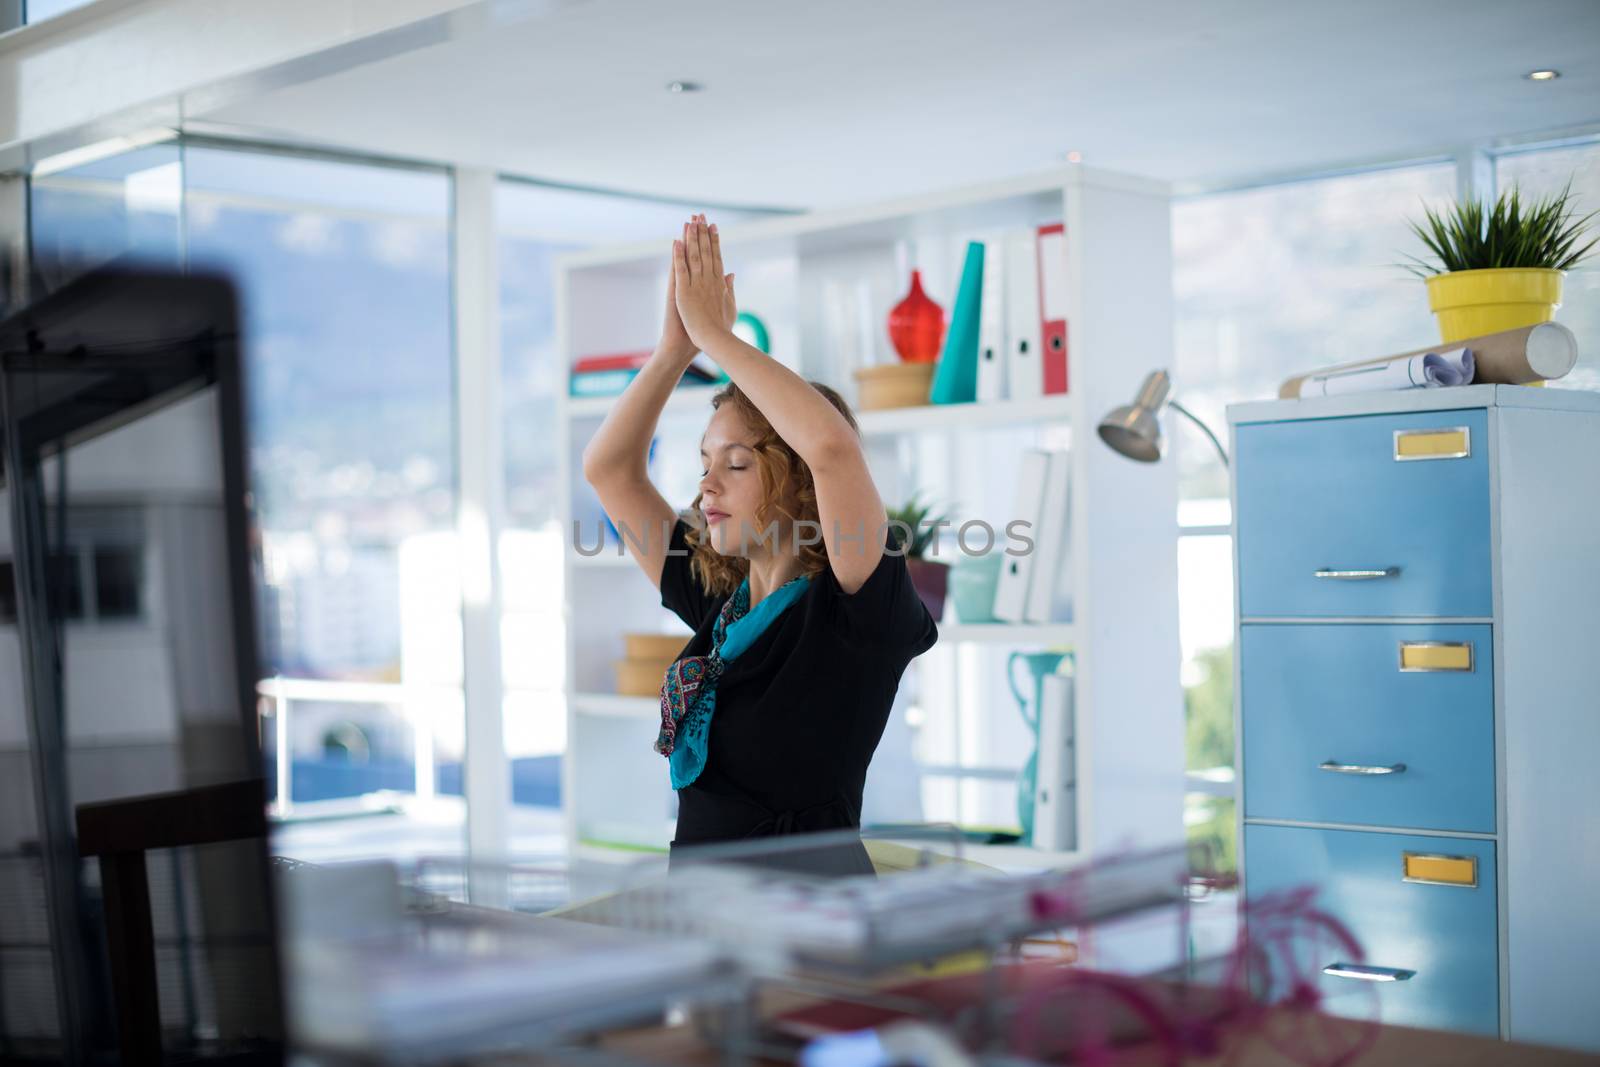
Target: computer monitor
[(128, 661)]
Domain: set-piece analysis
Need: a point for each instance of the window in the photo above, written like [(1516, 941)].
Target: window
[(127, 205), (1269, 282), (344, 278), (1543, 172)]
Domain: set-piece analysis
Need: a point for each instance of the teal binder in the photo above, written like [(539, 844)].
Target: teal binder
[(955, 380)]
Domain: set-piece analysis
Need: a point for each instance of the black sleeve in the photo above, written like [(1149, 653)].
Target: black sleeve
[(886, 613), (681, 593)]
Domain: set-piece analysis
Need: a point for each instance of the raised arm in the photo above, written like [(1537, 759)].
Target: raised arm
[(616, 459), (849, 508)]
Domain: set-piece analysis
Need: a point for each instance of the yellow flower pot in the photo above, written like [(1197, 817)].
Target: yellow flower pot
[(1471, 303)]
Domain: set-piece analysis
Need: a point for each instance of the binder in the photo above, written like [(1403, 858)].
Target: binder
[(992, 324), (1024, 376), (1053, 307), (1055, 795), (1016, 571), (955, 379), (1050, 571)]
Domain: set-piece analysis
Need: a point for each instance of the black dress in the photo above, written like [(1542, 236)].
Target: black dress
[(800, 712)]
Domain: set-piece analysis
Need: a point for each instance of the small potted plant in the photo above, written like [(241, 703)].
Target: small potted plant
[(930, 577), (1499, 267)]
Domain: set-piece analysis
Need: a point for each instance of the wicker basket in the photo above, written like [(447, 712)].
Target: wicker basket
[(894, 385), (653, 646)]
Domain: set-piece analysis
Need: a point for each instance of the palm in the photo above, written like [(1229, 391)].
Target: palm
[(706, 301), (674, 337)]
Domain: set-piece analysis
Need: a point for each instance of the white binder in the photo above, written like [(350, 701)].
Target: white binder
[(1016, 571), (1050, 580), (1055, 793), (992, 324), (1024, 367)]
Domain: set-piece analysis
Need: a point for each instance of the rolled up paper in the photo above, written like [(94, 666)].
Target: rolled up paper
[(1540, 352), (1431, 370)]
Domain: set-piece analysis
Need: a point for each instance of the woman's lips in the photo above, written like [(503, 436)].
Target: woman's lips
[(713, 517)]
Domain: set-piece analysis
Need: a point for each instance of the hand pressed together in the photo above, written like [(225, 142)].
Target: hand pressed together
[(703, 294)]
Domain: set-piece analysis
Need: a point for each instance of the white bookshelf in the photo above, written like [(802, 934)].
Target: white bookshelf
[(1123, 564)]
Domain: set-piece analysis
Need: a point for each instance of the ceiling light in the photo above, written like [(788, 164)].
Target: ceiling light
[(683, 87), (1543, 75)]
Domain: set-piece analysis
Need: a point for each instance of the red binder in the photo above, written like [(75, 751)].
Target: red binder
[(1052, 248)]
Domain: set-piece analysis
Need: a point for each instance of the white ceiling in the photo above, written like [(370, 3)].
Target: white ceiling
[(822, 102)]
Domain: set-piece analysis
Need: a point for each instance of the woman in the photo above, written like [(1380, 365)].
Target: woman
[(796, 587)]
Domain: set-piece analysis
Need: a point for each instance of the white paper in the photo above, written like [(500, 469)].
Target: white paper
[(1426, 371)]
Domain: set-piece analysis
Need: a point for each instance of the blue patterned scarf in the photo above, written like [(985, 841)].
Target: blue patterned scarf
[(689, 692)]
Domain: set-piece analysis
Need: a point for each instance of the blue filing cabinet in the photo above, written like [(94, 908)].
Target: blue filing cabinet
[(1417, 584)]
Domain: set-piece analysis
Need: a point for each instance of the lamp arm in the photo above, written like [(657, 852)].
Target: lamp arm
[(1186, 413)]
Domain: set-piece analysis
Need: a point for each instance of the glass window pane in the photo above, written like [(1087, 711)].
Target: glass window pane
[(1545, 172), (39, 10), (1272, 281), (1205, 628), (344, 276), (127, 205)]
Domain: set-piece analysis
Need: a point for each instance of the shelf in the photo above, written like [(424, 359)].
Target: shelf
[(1007, 633), (617, 706), (946, 418)]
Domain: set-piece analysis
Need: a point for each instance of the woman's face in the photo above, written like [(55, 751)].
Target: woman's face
[(730, 484)]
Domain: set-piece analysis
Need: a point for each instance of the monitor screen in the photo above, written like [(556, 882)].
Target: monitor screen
[(128, 669)]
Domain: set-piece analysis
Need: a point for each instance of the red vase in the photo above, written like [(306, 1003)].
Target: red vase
[(916, 325)]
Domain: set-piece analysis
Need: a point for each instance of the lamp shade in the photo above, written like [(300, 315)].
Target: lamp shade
[(1133, 429)]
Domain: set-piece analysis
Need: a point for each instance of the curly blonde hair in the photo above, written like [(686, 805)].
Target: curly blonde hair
[(788, 492)]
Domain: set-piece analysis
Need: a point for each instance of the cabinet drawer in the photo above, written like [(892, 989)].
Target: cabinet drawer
[(1374, 515), (1372, 724), (1445, 935)]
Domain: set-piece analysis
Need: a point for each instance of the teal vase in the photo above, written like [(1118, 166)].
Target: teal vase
[(1039, 665)]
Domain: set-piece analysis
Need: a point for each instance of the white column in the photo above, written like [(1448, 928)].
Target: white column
[(1474, 174), (480, 515)]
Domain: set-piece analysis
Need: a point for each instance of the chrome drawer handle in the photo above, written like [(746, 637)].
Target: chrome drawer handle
[(1368, 974), (1355, 768), (1358, 575)]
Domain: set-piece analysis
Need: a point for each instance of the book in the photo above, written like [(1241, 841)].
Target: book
[(613, 382), (702, 367)]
